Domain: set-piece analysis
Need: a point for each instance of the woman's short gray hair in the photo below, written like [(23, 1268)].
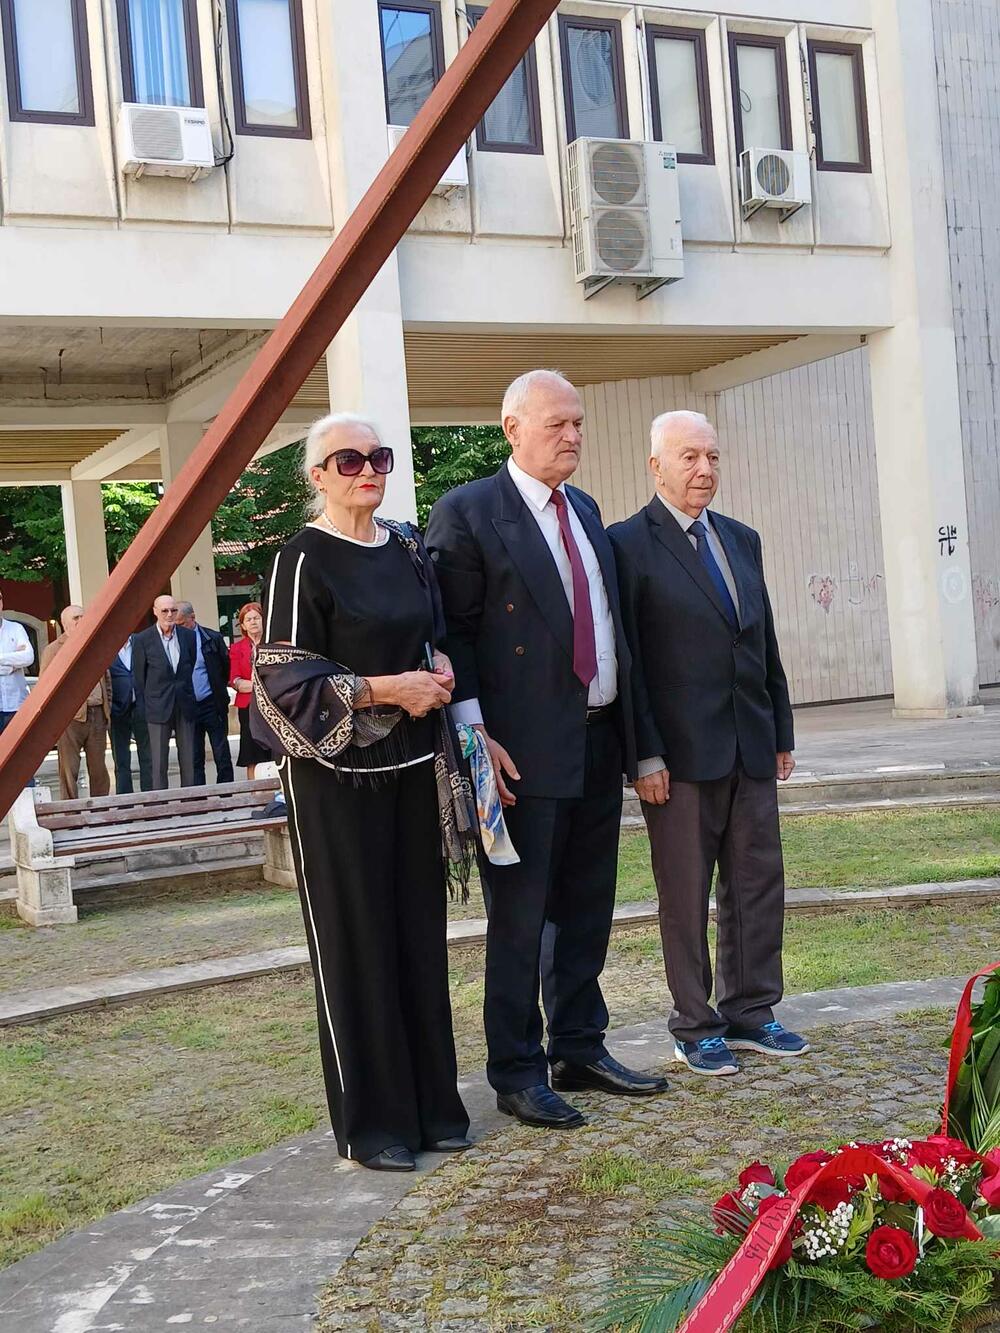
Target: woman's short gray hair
[(663, 424), (315, 449), (517, 394)]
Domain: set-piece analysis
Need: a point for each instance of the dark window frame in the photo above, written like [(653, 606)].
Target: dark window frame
[(191, 46), (530, 63), (302, 129), (697, 38), (856, 52), (776, 44), (84, 82), (429, 7), (568, 22)]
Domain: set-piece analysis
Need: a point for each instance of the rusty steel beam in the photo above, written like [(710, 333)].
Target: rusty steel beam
[(365, 242)]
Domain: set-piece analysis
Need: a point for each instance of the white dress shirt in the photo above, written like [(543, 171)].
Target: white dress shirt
[(538, 498), (125, 654), (16, 653), (648, 766), (171, 647)]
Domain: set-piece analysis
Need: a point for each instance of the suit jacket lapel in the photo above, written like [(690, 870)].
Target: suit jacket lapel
[(670, 534), (526, 546)]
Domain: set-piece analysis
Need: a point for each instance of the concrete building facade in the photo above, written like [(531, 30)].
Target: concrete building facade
[(845, 350)]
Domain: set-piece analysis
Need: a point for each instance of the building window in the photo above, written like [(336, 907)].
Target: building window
[(161, 65), (840, 108), (47, 59), (513, 123), (268, 52), (593, 78), (678, 87), (761, 113), (412, 57)]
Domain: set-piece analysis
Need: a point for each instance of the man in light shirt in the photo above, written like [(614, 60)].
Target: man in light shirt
[(16, 653), (87, 734), (542, 667), (163, 659), (127, 724), (211, 691), (714, 733)]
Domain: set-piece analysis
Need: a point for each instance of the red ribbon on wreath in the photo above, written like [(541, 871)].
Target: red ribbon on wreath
[(961, 1035), (733, 1289)]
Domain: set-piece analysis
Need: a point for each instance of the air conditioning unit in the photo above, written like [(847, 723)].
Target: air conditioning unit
[(625, 216), (165, 141), (774, 178), (456, 176)]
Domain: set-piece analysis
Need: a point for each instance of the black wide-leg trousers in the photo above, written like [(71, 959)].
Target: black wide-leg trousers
[(550, 918), (372, 885)]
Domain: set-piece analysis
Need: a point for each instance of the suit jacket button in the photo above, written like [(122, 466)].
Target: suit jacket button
[(519, 650), (510, 606)]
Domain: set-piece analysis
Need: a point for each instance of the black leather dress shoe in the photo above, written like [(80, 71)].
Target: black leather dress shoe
[(605, 1075), (393, 1158), (539, 1106), (448, 1145)]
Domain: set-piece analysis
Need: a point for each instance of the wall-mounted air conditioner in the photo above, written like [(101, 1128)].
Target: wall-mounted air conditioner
[(625, 216), (165, 141), (774, 178), (456, 176)]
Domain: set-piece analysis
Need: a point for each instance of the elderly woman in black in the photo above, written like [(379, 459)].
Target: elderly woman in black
[(348, 687)]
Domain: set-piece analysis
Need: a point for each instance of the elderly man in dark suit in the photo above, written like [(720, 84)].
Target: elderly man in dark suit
[(211, 692), (127, 721), (163, 659), (542, 667), (714, 731)]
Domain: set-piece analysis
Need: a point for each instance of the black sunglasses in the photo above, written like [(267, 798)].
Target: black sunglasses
[(351, 462)]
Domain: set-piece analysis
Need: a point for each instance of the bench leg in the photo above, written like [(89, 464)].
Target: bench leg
[(278, 865), (45, 897)]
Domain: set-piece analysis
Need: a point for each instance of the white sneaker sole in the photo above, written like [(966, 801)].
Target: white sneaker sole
[(739, 1044), (725, 1071)]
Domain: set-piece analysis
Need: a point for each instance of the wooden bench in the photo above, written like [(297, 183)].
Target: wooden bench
[(46, 836)]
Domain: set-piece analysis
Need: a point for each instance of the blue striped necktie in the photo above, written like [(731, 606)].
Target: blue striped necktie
[(700, 534)]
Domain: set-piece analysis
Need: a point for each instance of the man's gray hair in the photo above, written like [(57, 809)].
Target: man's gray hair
[(663, 426), (517, 394), (315, 449), (185, 609)]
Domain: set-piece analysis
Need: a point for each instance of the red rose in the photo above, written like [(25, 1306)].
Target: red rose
[(805, 1166), (937, 1148), (891, 1253), (944, 1214), (828, 1193), (757, 1173), (990, 1185), (728, 1214), (784, 1250)]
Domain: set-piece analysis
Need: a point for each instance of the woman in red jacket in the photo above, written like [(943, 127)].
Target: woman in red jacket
[(250, 619)]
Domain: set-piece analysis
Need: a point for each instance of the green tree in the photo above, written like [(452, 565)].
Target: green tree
[(449, 456)]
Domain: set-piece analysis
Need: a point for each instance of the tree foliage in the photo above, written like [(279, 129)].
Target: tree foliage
[(449, 456)]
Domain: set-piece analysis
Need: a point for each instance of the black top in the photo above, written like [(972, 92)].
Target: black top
[(361, 606)]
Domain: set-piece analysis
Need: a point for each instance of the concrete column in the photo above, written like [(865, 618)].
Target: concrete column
[(194, 579), (918, 434), (365, 364), (86, 540)]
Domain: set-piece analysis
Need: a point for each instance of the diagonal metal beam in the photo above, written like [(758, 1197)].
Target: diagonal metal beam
[(366, 241)]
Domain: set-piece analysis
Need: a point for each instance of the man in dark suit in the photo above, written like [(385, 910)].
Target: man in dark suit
[(542, 667), (211, 693), (714, 731), (128, 721), (163, 659)]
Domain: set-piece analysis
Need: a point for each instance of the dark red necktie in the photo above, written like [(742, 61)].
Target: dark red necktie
[(584, 642)]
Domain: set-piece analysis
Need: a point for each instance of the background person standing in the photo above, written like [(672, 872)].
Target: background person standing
[(163, 659), (250, 619), (88, 732), (16, 653), (210, 680), (128, 722)]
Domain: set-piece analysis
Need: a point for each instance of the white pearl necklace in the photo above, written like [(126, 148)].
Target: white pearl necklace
[(380, 538)]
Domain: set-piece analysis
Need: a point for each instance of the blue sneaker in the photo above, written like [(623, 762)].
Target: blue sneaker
[(711, 1055), (771, 1039)]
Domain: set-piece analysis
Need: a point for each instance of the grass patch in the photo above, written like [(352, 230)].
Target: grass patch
[(608, 1173)]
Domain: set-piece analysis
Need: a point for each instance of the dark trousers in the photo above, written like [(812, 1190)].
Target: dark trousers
[(551, 915), (731, 823), (211, 722), (371, 880), (88, 738), (123, 728), (181, 727)]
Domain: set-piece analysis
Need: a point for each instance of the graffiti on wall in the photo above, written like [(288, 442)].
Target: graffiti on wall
[(859, 588)]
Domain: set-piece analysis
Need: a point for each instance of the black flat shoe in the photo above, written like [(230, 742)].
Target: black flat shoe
[(539, 1106), (393, 1158), (605, 1075), (448, 1145)]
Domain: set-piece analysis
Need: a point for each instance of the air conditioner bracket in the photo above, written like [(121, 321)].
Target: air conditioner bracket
[(592, 286), (644, 289), (787, 213)]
